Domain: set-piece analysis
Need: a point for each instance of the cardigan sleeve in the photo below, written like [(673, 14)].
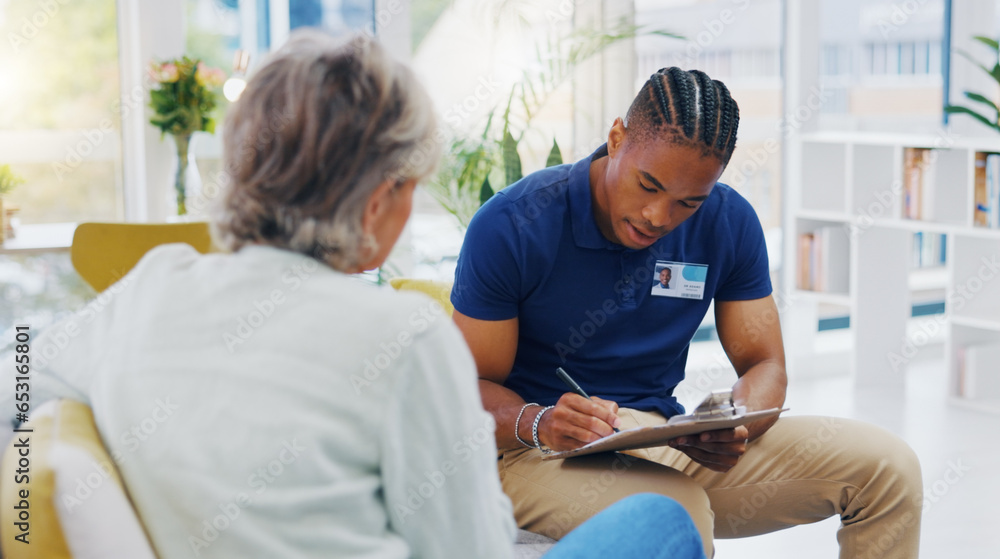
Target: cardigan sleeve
[(442, 491)]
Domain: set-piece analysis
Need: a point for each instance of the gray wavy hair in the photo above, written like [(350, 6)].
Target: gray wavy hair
[(319, 127)]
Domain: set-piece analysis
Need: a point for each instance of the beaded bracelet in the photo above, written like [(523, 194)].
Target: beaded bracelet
[(534, 430), (517, 425)]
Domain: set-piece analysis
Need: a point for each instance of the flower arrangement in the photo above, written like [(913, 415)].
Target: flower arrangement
[(183, 101)]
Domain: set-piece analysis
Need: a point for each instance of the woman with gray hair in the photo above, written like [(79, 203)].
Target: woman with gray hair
[(297, 412)]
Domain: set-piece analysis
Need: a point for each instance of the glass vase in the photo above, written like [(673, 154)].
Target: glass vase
[(187, 179)]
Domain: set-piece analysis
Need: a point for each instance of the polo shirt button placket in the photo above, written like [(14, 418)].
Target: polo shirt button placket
[(628, 293)]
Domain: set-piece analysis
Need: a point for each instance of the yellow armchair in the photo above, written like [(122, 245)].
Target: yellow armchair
[(72, 501), (104, 252), (438, 290)]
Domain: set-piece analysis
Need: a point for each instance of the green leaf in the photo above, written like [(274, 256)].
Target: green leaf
[(489, 123), (555, 156), (982, 99), (667, 34), (486, 192), (954, 109), (511, 160), (994, 73), (992, 43), (534, 96), (506, 112)]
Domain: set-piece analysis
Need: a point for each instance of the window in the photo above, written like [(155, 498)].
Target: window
[(906, 59), (897, 85), (213, 31), (336, 17), (877, 61), (934, 58), (828, 62), (835, 60), (921, 60), (59, 117), (60, 131), (892, 59), (217, 29), (61, 123)]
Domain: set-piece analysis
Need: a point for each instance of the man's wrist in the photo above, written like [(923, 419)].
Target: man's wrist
[(534, 430), (524, 431), (521, 420)]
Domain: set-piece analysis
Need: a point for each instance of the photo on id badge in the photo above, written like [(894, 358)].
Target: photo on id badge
[(679, 279)]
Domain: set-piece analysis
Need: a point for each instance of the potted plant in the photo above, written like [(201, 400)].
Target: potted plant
[(182, 103), (8, 181)]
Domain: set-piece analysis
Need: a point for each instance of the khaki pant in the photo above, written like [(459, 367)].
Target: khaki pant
[(802, 470)]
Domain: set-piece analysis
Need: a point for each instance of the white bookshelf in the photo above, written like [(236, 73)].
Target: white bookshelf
[(929, 279), (853, 181)]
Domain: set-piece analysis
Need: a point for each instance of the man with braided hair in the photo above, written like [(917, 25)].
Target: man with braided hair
[(647, 199)]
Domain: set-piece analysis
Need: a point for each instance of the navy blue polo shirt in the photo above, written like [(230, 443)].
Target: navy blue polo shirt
[(534, 252)]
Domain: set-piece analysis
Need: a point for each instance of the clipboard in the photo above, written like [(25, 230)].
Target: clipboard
[(715, 412)]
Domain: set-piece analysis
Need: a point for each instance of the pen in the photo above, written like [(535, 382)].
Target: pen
[(573, 386)]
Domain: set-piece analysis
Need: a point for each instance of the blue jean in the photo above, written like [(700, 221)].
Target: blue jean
[(643, 525)]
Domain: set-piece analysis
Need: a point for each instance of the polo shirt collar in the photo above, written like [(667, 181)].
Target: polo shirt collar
[(586, 234)]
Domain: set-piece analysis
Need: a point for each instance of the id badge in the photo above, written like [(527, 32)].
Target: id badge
[(679, 279)]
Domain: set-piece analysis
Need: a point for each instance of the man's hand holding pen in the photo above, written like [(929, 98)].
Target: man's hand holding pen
[(576, 421)]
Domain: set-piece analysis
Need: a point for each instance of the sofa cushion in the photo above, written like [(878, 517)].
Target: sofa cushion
[(78, 507), (531, 545)]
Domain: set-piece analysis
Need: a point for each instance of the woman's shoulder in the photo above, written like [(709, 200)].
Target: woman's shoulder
[(168, 255), (405, 311)]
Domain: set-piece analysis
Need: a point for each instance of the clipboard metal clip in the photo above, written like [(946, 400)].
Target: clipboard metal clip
[(717, 405)]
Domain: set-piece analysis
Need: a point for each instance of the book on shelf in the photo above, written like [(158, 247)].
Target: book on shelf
[(980, 202), (805, 261), (993, 164), (929, 249), (993, 191), (986, 192), (824, 257), (978, 376), (918, 183)]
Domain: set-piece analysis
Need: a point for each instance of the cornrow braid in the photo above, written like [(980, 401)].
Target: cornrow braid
[(686, 107), (664, 102), (729, 120), (686, 99), (709, 98)]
